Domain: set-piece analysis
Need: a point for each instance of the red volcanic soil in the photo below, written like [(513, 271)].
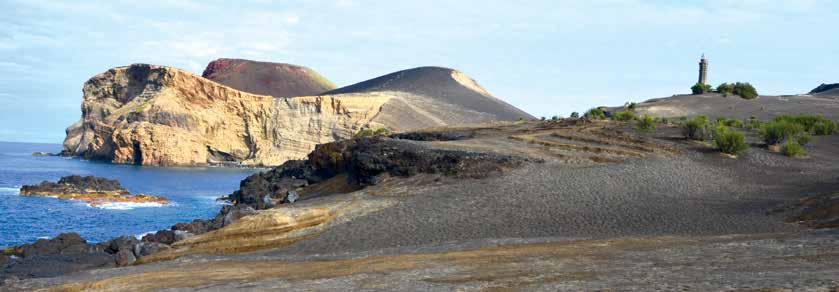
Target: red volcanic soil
[(265, 78)]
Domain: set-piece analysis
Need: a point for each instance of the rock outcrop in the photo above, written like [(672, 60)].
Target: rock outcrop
[(364, 161), (153, 115), (265, 78), (92, 190)]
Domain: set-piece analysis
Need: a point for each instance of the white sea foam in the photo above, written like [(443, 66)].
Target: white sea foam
[(9, 191), (140, 236), (126, 205)]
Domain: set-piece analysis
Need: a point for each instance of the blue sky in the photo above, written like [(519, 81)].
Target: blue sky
[(546, 57)]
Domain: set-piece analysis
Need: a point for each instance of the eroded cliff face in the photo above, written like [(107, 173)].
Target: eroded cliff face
[(154, 115)]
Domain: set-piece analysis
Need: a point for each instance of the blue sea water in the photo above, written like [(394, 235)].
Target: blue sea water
[(25, 219)]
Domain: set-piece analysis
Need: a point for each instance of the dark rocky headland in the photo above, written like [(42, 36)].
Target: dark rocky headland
[(92, 190)]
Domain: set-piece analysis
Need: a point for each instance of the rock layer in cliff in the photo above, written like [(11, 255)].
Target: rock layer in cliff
[(265, 78)]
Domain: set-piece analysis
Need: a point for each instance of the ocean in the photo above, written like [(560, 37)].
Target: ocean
[(193, 192)]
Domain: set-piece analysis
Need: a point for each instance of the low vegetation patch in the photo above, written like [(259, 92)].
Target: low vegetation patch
[(793, 149), (645, 124), (778, 131), (742, 89), (700, 88), (372, 132), (596, 114), (729, 141), (728, 122), (624, 116), (816, 125), (696, 128)]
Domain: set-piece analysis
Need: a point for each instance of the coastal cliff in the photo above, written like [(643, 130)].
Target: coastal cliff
[(154, 115)]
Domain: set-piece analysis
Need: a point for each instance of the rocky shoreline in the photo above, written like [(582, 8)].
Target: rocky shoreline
[(89, 189), (362, 161)]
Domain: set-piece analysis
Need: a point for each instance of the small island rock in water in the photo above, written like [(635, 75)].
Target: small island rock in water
[(92, 190)]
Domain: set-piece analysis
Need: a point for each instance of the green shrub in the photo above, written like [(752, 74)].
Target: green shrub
[(624, 116), (816, 125), (700, 88), (742, 89), (729, 141), (778, 131), (745, 90), (726, 89), (753, 124), (803, 138), (696, 128), (631, 106), (793, 149), (645, 124), (575, 115), (595, 114), (826, 127), (367, 132), (730, 122)]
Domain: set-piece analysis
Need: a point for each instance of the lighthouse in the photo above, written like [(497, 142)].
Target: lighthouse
[(703, 70)]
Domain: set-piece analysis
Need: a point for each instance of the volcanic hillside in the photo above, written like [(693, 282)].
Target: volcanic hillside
[(826, 90), (716, 105), (433, 96), (265, 78)]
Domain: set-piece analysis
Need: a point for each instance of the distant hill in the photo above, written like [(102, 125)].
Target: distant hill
[(715, 105), (442, 86), (826, 89), (265, 78)]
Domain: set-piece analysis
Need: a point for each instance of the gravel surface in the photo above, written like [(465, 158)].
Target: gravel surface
[(694, 194)]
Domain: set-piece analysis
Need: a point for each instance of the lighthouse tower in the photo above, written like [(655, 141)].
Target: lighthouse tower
[(703, 70)]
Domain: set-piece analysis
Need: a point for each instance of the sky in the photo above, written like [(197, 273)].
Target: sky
[(546, 57)]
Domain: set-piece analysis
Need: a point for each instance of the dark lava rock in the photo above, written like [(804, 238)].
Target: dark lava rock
[(121, 243), (435, 136), (162, 236), (148, 248), (65, 253), (62, 242), (124, 257), (4, 260), (196, 227), (75, 184), (364, 160)]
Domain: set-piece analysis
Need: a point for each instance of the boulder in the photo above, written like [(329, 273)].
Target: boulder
[(4, 260), (196, 227), (147, 248), (122, 243), (65, 253), (237, 213), (291, 197), (125, 257), (51, 246), (181, 235), (162, 236)]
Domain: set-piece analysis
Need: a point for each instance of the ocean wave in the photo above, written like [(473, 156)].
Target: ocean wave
[(126, 205), (9, 191), (140, 236)]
